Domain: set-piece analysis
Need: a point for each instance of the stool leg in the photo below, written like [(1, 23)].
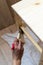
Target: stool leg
[(41, 60)]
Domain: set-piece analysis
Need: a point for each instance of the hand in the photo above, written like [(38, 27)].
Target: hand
[(18, 49)]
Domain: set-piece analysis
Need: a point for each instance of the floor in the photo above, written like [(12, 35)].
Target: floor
[(5, 50), (5, 54)]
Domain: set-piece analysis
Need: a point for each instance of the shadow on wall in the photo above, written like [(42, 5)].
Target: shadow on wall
[(6, 13), (11, 2)]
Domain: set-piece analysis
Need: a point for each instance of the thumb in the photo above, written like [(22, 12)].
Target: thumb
[(19, 45)]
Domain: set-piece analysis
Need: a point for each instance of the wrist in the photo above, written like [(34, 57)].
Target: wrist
[(16, 62)]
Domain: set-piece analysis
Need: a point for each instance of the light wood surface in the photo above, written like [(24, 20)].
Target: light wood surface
[(32, 14)]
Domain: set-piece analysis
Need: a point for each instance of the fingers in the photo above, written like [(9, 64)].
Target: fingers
[(18, 44), (16, 40), (18, 51)]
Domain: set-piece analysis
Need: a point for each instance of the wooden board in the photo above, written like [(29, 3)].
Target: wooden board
[(32, 14)]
